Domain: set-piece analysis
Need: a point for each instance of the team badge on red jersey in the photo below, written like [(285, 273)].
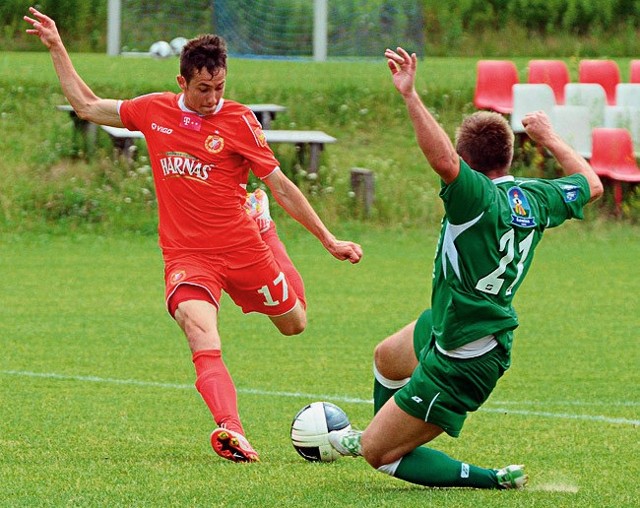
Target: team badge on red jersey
[(260, 137), (176, 277), (214, 144)]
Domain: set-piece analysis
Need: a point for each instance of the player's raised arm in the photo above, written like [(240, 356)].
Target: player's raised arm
[(539, 129), (86, 104), (433, 140), (297, 206)]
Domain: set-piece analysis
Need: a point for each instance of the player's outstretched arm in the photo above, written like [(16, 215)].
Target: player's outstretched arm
[(296, 204), (539, 129), (87, 104), (432, 139)]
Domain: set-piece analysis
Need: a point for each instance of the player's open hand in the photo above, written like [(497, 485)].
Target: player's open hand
[(403, 69), (344, 250), (44, 27)]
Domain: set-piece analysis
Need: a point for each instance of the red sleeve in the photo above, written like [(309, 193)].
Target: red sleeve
[(133, 111), (255, 147)]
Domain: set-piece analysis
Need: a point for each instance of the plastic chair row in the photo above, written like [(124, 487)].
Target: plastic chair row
[(613, 159), (605, 135), (610, 150), (495, 80), (531, 97)]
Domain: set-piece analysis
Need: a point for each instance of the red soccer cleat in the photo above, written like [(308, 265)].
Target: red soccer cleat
[(233, 446)]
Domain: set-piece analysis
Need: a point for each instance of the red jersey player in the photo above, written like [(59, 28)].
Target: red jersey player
[(213, 235)]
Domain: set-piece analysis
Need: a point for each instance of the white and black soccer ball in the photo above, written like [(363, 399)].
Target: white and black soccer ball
[(310, 431), (161, 49), (177, 44)]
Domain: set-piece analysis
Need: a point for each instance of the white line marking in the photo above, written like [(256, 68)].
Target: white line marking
[(337, 398), (567, 416), (555, 487)]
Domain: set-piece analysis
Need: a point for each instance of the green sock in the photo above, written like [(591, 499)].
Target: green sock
[(432, 468), (381, 394)]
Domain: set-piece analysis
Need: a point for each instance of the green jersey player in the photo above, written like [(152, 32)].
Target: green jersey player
[(431, 373)]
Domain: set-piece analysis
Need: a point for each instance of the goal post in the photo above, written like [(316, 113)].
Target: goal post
[(114, 9), (320, 30)]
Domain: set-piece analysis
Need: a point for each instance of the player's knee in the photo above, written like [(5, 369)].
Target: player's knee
[(292, 326), (373, 454), (296, 328), (383, 358)]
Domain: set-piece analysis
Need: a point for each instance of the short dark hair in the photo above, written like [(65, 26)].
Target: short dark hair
[(485, 141), (205, 51)]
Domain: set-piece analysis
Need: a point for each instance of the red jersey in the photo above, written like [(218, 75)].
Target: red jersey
[(200, 168)]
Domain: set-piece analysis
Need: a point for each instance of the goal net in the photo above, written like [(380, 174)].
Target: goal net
[(277, 28)]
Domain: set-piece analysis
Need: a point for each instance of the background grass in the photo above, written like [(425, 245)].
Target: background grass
[(96, 383), (99, 409), (49, 184)]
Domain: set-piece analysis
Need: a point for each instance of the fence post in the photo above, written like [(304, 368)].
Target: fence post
[(363, 186)]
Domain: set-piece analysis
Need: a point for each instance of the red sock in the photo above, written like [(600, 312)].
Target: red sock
[(217, 389), (272, 239)]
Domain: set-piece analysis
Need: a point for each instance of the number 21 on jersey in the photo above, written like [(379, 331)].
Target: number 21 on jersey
[(493, 282)]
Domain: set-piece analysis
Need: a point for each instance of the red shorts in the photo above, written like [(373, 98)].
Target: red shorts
[(250, 276)]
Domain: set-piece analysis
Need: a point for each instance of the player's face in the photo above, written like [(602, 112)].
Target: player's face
[(204, 91)]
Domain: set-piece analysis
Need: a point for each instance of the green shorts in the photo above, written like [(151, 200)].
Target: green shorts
[(442, 390)]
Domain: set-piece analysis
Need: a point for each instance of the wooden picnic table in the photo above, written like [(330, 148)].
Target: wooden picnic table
[(309, 143), (265, 113)]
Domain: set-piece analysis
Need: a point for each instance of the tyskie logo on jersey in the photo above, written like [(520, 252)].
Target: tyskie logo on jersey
[(520, 208)]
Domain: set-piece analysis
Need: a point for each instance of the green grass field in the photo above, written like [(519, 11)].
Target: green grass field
[(99, 408), (96, 382)]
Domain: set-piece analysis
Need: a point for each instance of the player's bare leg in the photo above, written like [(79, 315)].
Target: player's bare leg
[(257, 207), (198, 320), (293, 322), (392, 444), (394, 361)]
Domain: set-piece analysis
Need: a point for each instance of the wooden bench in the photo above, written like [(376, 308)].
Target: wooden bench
[(309, 144), (88, 131), (314, 141), (123, 140), (266, 113), (306, 142)]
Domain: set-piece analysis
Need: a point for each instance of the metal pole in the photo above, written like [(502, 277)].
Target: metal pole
[(320, 30), (113, 27)]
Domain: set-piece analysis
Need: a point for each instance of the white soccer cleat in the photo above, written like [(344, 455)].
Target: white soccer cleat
[(512, 477), (257, 207), (346, 442)]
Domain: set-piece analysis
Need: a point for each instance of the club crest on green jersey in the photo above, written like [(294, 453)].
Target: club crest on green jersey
[(520, 208), (570, 192)]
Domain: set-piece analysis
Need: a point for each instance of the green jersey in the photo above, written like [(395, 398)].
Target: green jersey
[(489, 233)]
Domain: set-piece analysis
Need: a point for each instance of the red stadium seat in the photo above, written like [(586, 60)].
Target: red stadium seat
[(602, 72), (494, 81), (554, 73), (613, 159), (634, 71)]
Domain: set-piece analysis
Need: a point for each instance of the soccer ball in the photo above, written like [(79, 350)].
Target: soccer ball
[(177, 44), (310, 431), (161, 49)]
